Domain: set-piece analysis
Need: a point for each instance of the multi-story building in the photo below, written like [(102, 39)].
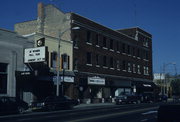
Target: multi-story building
[(105, 62)]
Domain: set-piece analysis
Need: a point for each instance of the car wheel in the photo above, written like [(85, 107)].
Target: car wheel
[(21, 110)]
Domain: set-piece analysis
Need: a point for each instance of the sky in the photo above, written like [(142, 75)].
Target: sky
[(161, 18)]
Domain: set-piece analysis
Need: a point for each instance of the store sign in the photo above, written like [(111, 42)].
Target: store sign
[(34, 55), (147, 85), (96, 80), (67, 79)]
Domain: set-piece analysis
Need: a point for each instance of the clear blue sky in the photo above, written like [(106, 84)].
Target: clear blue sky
[(161, 18)]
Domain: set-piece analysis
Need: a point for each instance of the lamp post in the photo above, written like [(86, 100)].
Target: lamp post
[(58, 58), (164, 69)]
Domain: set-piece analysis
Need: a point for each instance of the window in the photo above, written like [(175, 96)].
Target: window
[(118, 64), (88, 37), (138, 69), (54, 59), (123, 48), (3, 78), (124, 65), (111, 62), (75, 41), (134, 68), (117, 46), (128, 50), (104, 42), (75, 64), (97, 60), (64, 61), (104, 61), (146, 55), (111, 44), (89, 58), (138, 53), (133, 51), (129, 67), (146, 70), (97, 39)]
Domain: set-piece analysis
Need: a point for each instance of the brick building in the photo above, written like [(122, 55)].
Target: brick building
[(105, 62)]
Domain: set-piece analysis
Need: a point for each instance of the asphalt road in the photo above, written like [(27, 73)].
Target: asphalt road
[(104, 113)]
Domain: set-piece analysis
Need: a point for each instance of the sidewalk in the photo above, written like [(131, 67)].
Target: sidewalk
[(93, 105)]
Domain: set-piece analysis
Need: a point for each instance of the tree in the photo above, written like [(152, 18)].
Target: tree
[(175, 84)]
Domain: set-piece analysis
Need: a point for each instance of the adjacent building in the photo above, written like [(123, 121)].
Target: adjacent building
[(12, 48), (100, 63)]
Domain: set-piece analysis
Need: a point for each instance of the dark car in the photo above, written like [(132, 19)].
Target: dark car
[(127, 98), (54, 103), (10, 105)]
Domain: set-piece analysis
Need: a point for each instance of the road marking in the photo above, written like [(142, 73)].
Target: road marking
[(144, 120), (149, 112), (113, 114)]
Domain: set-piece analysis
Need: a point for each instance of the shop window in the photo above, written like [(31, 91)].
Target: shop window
[(89, 58), (3, 78)]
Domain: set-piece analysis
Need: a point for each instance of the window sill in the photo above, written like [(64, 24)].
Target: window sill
[(105, 67), (97, 66), (97, 46), (88, 43), (124, 70), (105, 48), (76, 47), (111, 50), (89, 64), (112, 68)]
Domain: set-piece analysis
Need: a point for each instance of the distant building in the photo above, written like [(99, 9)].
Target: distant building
[(105, 62), (12, 48)]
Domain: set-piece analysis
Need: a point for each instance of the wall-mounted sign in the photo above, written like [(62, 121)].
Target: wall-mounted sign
[(147, 85), (67, 79), (34, 55), (96, 80)]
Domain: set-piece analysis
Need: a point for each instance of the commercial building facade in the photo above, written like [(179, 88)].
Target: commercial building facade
[(12, 48), (105, 62)]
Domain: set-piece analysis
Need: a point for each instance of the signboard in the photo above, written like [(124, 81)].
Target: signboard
[(96, 80), (34, 55), (67, 79)]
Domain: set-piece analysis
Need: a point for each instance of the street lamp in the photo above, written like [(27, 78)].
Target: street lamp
[(164, 69), (58, 58)]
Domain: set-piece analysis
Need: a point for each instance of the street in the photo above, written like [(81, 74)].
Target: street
[(146, 112)]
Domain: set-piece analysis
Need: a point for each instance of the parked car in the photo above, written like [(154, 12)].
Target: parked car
[(127, 98), (54, 103), (12, 105)]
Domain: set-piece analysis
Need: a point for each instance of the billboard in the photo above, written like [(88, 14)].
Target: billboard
[(35, 55)]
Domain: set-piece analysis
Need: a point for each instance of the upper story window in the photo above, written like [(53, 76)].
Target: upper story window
[(105, 42), (129, 67), (138, 53), (145, 42), (3, 78), (75, 41), (118, 64), (111, 44), (128, 50), (117, 47), (97, 39), (75, 64), (124, 48), (133, 51), (146, 70), (104, 61), (111, 62), (97, 60), (89, 37), (138, 69), (89, 58), (134, 68), (124, 65), (65, 61), (53, 59)]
